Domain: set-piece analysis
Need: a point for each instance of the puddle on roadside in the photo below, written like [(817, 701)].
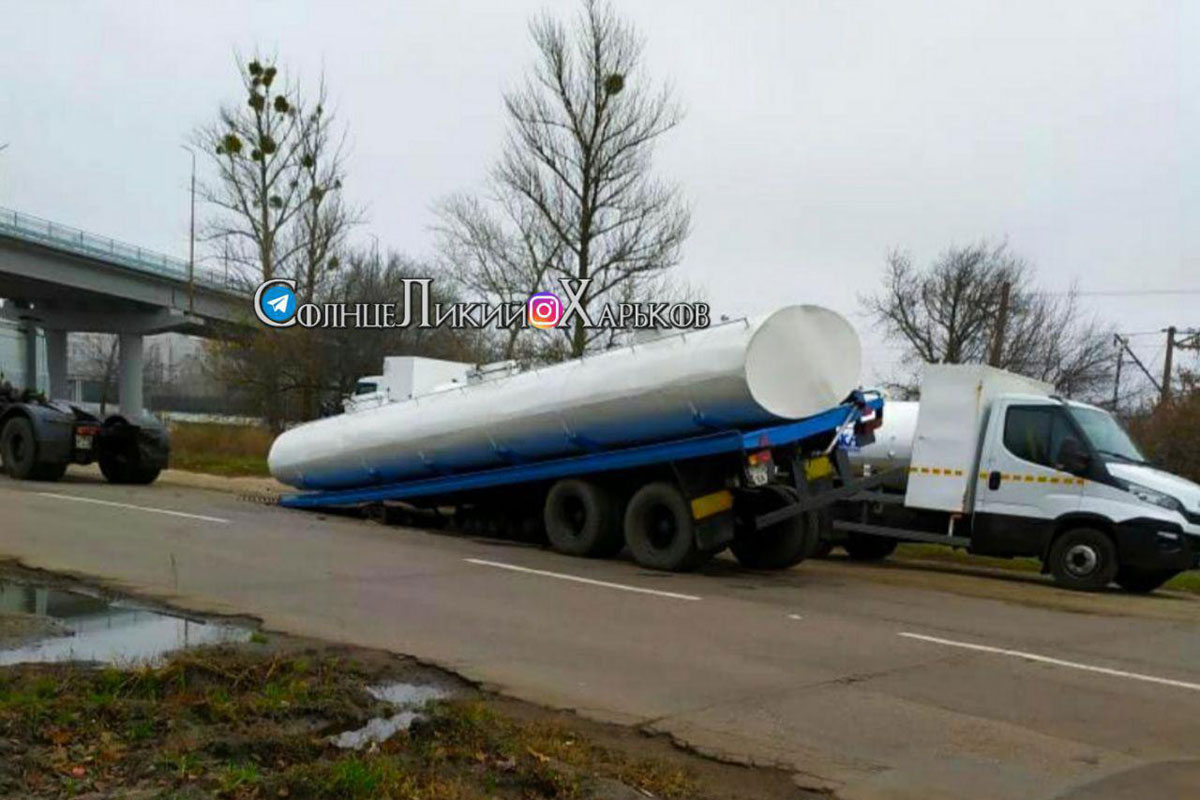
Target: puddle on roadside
[(408, 700), (111, 632)]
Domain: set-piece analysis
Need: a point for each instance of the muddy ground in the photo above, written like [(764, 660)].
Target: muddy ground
[(258, 719)]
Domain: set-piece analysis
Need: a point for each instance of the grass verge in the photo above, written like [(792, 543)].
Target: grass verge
[(246, 722), (230, 450), (1185, 582)]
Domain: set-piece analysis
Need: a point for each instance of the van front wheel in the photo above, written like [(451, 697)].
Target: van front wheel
[(1084, 559)]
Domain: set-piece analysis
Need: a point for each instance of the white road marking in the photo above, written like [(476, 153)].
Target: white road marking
[(135, 508), (795, 616), (1058, 662), (577, 579)]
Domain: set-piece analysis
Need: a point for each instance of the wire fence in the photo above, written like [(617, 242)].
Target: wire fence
[(28, 228)]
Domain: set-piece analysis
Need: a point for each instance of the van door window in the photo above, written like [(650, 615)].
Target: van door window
[(1036, 433)]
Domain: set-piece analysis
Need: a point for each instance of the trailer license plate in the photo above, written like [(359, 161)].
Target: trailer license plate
[(83, 441)]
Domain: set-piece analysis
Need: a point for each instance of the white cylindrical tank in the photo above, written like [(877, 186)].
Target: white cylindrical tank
[(789, 364), (893, 442)]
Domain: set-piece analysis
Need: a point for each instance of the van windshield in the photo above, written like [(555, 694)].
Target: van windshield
[(1106, 434), (365, 387)]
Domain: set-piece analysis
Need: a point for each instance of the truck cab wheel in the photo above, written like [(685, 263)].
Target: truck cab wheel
[(782, 545), (1143, 581), (866, 547), (19, 448), (582, 519), (118, 469), (660, 531), (1084, 559)]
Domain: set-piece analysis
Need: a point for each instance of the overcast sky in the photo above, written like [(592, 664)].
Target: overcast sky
[(818, 134)]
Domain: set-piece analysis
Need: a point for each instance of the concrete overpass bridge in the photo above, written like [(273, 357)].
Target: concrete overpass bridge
[(59, 279)]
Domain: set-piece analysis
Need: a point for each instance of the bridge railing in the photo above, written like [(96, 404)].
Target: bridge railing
[(29, 228)]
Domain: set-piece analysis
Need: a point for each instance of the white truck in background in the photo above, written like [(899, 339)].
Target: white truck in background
[(997, 464), (403, 378)]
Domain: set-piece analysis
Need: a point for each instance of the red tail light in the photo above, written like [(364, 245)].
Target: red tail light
[(759, 457)]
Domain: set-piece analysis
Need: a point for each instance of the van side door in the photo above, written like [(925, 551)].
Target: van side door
[(1023, 483)]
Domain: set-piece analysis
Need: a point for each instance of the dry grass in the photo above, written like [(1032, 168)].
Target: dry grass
[(232, 450), (1185, 582), (251, 723)]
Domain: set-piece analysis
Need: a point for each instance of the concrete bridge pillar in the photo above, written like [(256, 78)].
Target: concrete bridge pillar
[(29, 379), (56, 362), (129, 368)]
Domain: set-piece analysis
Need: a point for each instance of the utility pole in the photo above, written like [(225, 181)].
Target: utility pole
[(192, 238), (1117, 377), (1165, 397), (1123, 343), (1001, 322)]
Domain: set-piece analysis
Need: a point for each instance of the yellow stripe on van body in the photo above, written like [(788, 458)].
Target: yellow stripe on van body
[(709, 504)]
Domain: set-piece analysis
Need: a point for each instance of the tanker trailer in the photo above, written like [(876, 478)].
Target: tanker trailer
[(673, 447)]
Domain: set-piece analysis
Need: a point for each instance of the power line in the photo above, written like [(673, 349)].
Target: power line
[(1131, 292), (1117, 292)]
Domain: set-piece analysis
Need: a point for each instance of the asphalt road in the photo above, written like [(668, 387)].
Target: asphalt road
[(871, 682)]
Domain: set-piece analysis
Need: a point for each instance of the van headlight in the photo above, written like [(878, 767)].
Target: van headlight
[(1149, 495)]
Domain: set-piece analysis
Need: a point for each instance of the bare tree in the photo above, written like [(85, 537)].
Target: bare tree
[(324, 219), (575, 173), (948, 314), (279, 163), (256, 149), (315, 366), (500, 260), (94, 356)]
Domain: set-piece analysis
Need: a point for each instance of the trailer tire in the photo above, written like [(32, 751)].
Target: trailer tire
[(867, 547), (1084, 559), (660, 531), (582, 519), (782, 545), (1143, 581)]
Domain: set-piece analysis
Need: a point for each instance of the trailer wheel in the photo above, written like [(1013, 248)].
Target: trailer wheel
[(582, 519), (782, 545), (1143, 581), (1083, 559), (660, 531), (867, 547), (19, 448)]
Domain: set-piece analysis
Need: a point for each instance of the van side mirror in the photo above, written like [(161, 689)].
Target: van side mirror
[(1073, 457)]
